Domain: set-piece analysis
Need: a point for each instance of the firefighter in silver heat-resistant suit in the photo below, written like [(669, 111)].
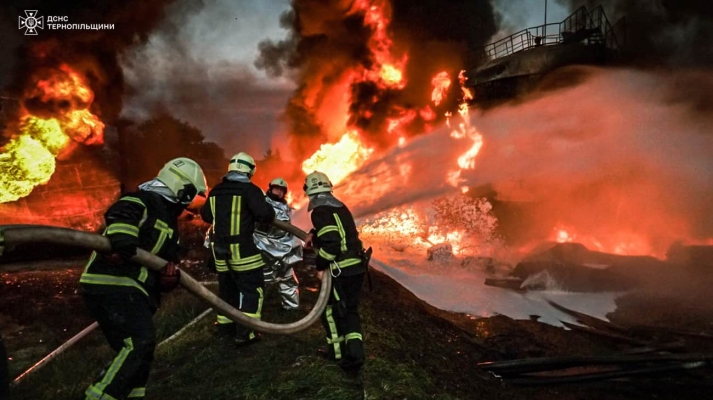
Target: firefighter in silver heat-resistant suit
[(280, 249)]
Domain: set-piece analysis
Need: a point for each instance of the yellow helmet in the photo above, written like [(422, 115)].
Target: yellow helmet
[(184, 177), (278, 182), (242, 162), (317, 182)]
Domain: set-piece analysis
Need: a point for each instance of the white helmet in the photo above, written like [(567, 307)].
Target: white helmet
[(242, 162), (184, 177), (317, 182), (279, 182)]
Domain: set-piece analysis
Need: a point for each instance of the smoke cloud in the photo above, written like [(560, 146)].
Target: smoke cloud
[(94, 54), (330, 47), (613, 161), (674, 32), (196, 67)]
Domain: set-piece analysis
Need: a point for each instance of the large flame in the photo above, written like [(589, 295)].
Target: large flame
[(441, 83), (619, 242), (387, 69), (340, 159), (28, 159)]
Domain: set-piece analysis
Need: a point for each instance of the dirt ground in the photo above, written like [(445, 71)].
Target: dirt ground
[(40, 309)]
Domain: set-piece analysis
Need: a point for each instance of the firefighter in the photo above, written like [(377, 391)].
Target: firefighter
[(233, 208), (124, 295), (340, 252), (280, 249)]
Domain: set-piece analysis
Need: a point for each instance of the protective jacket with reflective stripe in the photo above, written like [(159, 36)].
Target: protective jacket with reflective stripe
[(142, 219), (234, 208), (337, 240)]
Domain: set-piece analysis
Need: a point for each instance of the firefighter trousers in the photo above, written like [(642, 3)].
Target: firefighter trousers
[(244, 291), (342, 322), (282, 275), (127, 323)]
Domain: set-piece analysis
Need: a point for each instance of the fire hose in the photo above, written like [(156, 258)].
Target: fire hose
[(11, 236)]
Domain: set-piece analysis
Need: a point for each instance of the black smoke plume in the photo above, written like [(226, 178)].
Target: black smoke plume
[(327, 42), (94, 54), (675, 33)]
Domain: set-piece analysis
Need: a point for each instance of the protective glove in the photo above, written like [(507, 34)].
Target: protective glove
[(170, 276), (309, 241)]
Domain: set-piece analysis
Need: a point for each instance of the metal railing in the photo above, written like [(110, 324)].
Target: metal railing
[(582, 26)]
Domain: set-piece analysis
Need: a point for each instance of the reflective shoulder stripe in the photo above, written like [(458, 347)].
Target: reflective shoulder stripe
[(236, 209), (164, 232), (163, 226), (119, 227), (326, 255), (342, 234), (133, 200), (327, 229), (99, 279)]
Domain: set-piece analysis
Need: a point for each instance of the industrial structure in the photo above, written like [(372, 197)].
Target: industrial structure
[(515, 64)]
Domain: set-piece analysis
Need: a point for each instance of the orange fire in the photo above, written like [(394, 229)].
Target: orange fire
[(408, 226), (467, 224), (339, 159), (387, 68), (28, 160), (441, 83), (618, 242)]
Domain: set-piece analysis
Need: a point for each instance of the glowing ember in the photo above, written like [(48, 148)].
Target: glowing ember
[(467, 224), (441, 83), (28, 160), (405, 225), (339, 159)]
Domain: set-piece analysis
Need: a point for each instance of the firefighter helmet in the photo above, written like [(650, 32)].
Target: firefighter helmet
[(242, 162), (317, 182), (184, 177), (279, 182)]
